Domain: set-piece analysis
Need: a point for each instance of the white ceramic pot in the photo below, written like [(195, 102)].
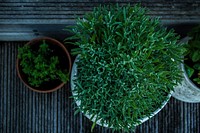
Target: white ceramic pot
[(78, 102), (186, 91)]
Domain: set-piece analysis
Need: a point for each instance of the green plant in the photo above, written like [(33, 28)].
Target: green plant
[(192, 55), (39, 65), (128, 64)]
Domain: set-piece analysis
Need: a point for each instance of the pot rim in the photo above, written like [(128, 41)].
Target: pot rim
[(56, 42), (190, 82)]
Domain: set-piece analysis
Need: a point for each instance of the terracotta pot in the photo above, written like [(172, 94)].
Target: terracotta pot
[(66, 63)]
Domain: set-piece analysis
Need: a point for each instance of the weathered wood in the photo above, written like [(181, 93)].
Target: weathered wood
[(63, 10), (22, 110), (20, 18), (27, 32), (25, 111)]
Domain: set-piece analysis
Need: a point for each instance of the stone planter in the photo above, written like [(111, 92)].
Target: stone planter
[(186, 91), (89, 116)]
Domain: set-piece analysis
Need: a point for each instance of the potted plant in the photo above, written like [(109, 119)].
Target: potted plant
[(126, 68), (188, 90), (43, 64)]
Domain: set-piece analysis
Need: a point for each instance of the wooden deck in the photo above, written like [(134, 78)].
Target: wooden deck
[(26, 19), (25, 111)]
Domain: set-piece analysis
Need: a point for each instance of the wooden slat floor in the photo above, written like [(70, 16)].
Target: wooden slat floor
[(24, 111), (26, 19), (66, 11)]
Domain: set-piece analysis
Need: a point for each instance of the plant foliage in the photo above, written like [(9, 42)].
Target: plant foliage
[(128, 64), (193, 55), (40, 65)]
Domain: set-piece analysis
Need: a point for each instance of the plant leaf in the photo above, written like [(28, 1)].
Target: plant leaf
[(197, 66), (195, 56), (189, 71)]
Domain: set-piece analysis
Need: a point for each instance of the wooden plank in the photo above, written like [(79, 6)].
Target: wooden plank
[(24, 19), (23, 111), (35, 12), (27, 32)]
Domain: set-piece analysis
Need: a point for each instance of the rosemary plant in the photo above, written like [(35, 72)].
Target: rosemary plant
[(128, 64)]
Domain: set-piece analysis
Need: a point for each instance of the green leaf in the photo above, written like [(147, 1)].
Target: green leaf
[(76, 51), (189, 71), (124, 14), (196, 66), (77, 111), (93, 125), (196, 56), (71, 38), (197, 80), (69, 43)]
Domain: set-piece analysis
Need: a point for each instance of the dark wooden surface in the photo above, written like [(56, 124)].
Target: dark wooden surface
[(26, 19), (25, 111), (65, 11)]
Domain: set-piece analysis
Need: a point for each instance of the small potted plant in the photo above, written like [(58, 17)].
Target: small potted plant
[(126, 68), (43, 64), (189, 89)]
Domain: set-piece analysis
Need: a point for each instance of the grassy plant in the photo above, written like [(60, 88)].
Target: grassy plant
[(128, 64), (40, 65), (192, 55)]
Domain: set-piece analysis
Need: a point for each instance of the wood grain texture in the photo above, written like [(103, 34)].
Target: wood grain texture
[(25, 111), (61, 11), (25, 19)]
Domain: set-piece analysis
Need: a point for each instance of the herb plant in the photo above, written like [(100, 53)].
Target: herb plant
[(128, 64), (40, 65), (192, 55)]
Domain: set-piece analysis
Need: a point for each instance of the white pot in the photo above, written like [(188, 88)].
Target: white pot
[(78, 102), (186, 91)]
